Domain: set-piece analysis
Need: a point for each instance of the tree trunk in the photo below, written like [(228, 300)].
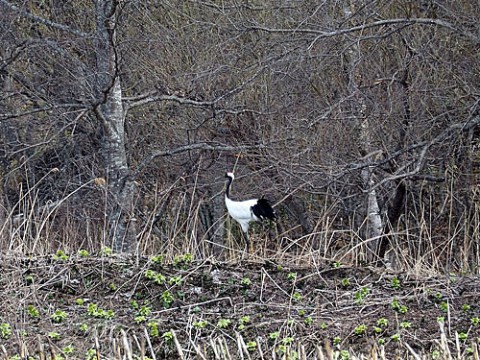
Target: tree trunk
[(374, 223), (111, 115)]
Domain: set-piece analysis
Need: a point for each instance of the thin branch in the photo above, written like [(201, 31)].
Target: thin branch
[(421, 160), (406, 22), (192, 147), (41, 20), (8, 116), (145, 99), (155, 97)]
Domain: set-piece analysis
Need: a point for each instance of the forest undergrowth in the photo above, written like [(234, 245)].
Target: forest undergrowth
[(107, 306)]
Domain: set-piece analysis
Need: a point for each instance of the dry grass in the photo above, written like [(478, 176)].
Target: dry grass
[(329, 262), (139, 346), (287, 312)]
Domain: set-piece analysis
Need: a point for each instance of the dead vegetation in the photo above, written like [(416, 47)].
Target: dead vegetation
[(359, 120), (110, 307)]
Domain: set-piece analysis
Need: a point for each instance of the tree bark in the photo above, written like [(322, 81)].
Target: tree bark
[(111, 115), (374, 223)]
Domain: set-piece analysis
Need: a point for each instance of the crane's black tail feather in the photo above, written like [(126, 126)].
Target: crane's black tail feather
[(263, 210)]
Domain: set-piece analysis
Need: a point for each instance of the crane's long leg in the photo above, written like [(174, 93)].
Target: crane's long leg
[(249, 247), (247, 243)]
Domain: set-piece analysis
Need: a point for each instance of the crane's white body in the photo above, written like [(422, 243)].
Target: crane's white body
[(246, 211), (241, 211)]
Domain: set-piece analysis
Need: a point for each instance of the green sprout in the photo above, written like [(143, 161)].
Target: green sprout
[(92, 309), (33, 311), (106, 251), (475, 321), (58, 316), (345, 282), (83, 253), (296, 297), (274, 335), (462, 336), (60, 256), (344, 355), (308, 321), (91, 354), (395, 283), (337, 340), (83, 327), (243, 321), (68, 350), (168, 336), (157, 259), (150, 274), (223, 323), (360, 329), (405, 325), (382, 322), (466, 308), (292, 276), (158, 278), (199, 324), (144, 310), (444, 306), (246, 282), (182, 259), (284, 349), (5, 331), (53, 335), (251, 345), (140, 319), (80, 302), (153, 329), (395, 304), (361, 294), (175, 280), (95, 311), (167, 299), (15, 357), (395, 337)]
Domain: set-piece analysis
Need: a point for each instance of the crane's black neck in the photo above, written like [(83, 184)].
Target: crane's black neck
[(229, 183)]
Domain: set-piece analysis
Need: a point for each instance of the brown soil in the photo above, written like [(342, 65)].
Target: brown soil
[(284, 310)]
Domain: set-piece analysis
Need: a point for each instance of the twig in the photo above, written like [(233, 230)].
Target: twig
[(42, 20), (177, 345)]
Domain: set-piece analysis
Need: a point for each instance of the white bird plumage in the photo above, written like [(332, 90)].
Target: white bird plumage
[(247, 211)]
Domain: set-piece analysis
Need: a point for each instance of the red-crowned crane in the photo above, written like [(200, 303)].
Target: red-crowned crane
[(247, 211)]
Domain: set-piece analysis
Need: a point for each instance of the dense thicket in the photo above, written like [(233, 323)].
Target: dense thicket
[(360, 122)]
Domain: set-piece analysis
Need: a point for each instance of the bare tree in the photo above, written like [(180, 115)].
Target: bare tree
[(359, 118)]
